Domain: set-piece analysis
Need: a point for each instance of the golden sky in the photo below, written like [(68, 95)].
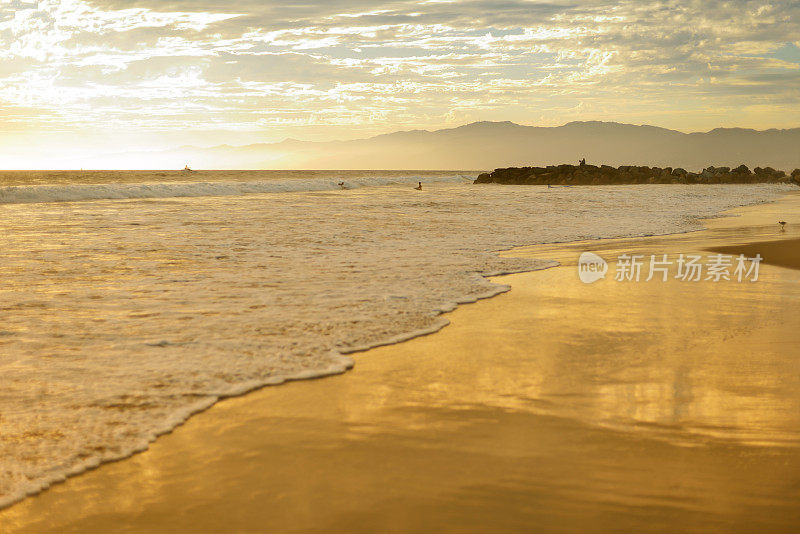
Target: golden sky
[(78, 76)]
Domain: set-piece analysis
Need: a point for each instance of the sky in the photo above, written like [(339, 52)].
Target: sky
[(79, 77)]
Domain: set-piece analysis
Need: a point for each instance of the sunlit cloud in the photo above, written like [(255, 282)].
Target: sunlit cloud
[(274, 69)]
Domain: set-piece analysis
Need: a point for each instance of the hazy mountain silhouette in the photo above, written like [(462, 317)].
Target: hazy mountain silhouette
[(488, 145)]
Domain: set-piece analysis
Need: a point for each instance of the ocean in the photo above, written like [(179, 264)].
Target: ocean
[(131, 300)]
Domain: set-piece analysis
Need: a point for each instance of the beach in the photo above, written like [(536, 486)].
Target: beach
[(130, 306), (556, 407), (451, 266)]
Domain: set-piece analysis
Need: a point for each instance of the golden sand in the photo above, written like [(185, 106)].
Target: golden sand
[(558, 407)]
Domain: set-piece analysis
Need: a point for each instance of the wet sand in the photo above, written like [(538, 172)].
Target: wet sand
[(557, 407), (783, 253)]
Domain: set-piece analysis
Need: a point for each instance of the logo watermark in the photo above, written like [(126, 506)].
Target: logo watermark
[(591, 268), (662, 267)]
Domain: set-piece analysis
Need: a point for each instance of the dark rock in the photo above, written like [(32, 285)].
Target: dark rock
[(567, 174), (741, 169)]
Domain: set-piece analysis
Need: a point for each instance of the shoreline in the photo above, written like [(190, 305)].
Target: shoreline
[(721, 223), (345, 362), (63, 461)]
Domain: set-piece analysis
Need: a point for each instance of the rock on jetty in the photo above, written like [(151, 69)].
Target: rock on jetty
[(628, 174)]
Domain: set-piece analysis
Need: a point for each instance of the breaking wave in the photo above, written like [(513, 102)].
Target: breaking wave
[(29, 194)]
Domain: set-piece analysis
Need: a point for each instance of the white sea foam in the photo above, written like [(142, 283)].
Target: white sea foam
[(121, 319)]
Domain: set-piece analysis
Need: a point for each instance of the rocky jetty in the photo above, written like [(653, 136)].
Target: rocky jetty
[(584, 174)]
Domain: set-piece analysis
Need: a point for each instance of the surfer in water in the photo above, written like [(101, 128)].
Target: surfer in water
[(419, 186)]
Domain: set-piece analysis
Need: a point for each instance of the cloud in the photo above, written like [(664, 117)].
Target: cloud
[(377, 66)]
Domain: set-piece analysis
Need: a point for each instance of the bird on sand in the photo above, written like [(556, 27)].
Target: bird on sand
[(783, 225)]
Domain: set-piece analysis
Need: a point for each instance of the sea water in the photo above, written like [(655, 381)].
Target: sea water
[(129, 301)]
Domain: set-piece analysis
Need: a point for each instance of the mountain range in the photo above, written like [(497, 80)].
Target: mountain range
[(489, 145)]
